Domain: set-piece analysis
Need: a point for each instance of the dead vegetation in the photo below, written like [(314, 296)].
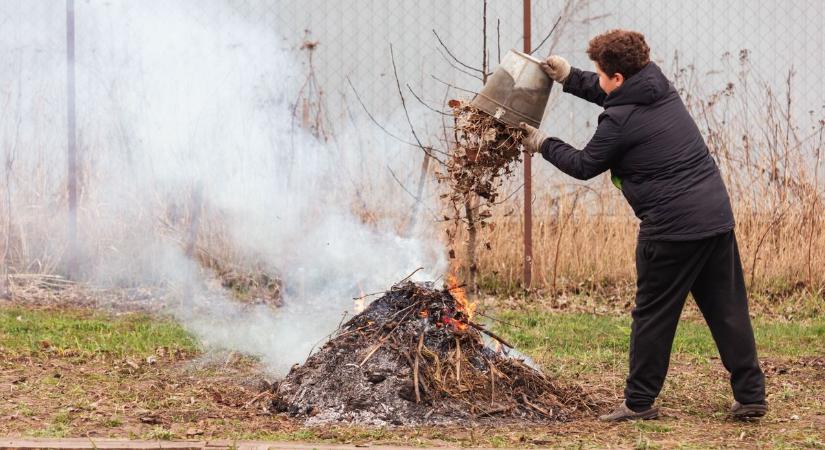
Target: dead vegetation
[(416, 357), (485, 152), (168, 395), (772, 162), (770, 155)]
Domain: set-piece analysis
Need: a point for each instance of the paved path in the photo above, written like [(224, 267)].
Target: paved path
[(92, 444)]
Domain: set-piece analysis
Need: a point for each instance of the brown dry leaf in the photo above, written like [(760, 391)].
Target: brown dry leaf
[(485, 153)]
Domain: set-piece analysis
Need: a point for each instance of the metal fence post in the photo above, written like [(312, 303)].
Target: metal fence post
[(528, 173), (71, 184)]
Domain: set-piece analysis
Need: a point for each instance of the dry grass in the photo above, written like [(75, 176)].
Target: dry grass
[(584, 234), (577, 252)]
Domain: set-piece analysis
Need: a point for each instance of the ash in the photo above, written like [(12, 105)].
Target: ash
[(414, 357)]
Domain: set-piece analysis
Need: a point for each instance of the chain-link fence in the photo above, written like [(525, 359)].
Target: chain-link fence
[(438, 43), (354, 38), (348, 65)]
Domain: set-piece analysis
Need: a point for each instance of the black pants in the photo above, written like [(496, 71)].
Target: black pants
[(711, 270)]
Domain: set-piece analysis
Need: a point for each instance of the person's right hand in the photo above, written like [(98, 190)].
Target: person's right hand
[(533, 139), (556, 68)]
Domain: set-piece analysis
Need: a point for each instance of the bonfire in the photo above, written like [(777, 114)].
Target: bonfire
[(416, 356)]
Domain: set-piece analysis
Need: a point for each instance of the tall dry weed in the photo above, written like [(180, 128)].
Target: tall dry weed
[(584, 233), (771, 161)]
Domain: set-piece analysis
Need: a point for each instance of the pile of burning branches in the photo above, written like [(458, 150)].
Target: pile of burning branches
[(415, 356), (485, 152)]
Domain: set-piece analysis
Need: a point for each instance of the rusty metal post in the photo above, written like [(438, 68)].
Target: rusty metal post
[(528, 173), (71, 183)]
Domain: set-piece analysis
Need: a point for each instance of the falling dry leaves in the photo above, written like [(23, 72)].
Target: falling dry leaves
[(485, 153)]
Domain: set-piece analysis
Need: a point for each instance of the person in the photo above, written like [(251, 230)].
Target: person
[(686, 242)]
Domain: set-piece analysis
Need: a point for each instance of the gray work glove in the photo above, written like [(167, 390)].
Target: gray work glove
[(533, 139), (556, 68)]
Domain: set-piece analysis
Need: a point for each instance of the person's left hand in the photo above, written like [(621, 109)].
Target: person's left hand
[(533, 139), (556, 68)]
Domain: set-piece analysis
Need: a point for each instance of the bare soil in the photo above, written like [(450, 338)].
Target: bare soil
[(186, 396), (179, 395)]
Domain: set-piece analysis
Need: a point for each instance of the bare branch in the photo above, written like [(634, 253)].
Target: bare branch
[(425, 104), (372, 118), (548, 35), (453, 86), (402, 184), (484, 55), (422, 183), (418, 200), (444, 126), (453, 56), (587, 20), (570, 9), (498, 39), (425, 149), (477, 207), (456, 67)]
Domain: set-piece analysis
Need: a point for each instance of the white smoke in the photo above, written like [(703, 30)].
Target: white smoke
[(171, 102)]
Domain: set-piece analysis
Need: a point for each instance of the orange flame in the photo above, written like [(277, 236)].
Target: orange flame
[(460, 296), (360, 303)]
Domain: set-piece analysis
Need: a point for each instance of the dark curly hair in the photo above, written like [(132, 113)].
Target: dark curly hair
[(619, 51)]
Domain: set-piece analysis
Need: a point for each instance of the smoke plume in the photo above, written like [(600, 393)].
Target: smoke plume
[(180, 113)]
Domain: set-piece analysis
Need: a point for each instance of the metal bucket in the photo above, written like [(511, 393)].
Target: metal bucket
[(517, 91)]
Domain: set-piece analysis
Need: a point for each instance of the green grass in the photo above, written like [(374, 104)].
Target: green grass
[(568, 344), (590, 341), (161, 434), (112, 422), (28, 330), (584, 339)]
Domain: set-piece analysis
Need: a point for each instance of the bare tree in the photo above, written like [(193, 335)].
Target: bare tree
[(471, 200)]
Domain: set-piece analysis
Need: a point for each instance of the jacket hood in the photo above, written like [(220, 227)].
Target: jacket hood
[(645, 87)]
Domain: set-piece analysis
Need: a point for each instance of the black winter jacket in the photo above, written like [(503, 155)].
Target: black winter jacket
[(655, 153)]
